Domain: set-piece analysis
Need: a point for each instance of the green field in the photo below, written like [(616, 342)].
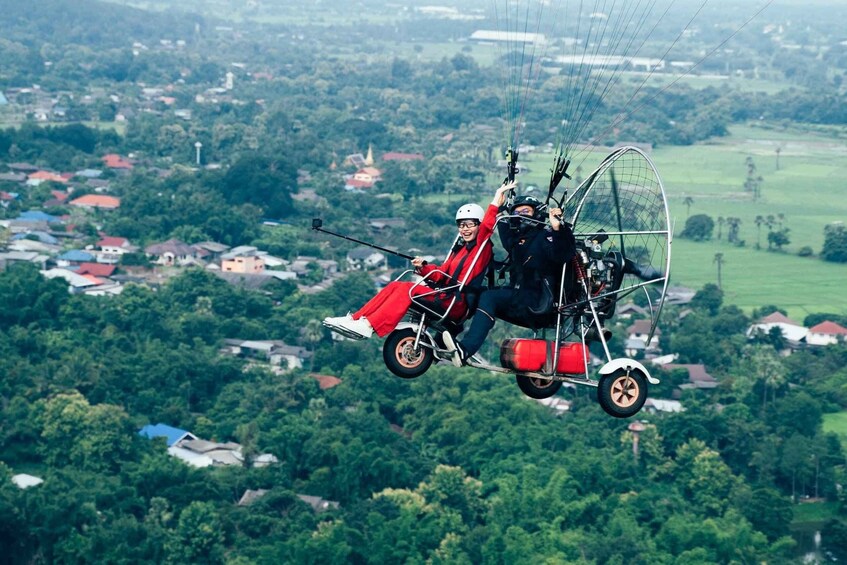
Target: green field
[(836, 423), (808, 191)]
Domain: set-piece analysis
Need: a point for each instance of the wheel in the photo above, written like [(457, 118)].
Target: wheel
[(622, 393), (537, 388), (402, 358)]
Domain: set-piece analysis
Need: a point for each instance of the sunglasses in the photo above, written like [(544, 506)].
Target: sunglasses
[(468, 224)]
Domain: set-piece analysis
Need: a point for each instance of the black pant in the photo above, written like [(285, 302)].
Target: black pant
[(509, 304)]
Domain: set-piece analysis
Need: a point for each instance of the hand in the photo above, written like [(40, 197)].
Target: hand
[(500, 195), (555, 215), (418, 262)]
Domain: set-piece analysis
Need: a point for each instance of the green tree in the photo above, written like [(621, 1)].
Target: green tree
[(777, 239), (698, 227), (198, 536), (835, 243)]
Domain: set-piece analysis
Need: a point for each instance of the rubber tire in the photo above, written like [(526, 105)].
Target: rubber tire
[(622, 393), (537, 388), (396, 354)]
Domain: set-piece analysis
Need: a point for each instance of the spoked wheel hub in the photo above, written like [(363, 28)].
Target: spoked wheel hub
[(623, 392)]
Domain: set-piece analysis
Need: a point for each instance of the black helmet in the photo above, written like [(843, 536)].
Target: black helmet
[(526, 201)]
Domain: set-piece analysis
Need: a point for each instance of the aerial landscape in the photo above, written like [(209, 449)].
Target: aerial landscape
[(215, 216)]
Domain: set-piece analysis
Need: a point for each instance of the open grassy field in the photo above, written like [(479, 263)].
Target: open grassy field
[(807, 191)]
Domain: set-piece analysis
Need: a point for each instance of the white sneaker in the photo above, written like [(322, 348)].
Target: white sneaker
[(360, 327), (337, 320), (454, 349)]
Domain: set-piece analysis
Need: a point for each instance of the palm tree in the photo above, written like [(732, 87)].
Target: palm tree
[(687, 202), (778, 151), (719, 261), (312, 334), (759, 221), (721, 222)]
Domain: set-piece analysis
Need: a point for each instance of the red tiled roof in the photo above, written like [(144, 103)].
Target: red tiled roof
[(93, 279), (109, 241), (59, 195), (97, 201), (96, 269), (829, 328), (326, 381), (114, 161), (6, 196), (46, 175), (353, 183)]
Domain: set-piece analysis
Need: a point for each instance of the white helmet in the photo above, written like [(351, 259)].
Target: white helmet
[(470, 212)]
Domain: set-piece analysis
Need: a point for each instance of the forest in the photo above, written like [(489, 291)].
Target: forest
[(453, 467)]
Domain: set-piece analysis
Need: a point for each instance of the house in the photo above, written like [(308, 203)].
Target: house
[(13, 177), (365, 258), (639, 332), (96, 201), (96, 269), (6, 198), (203, 453), (26, 244), (317, 503), (38, 177), (171, 252), (89, 173), (276, 353), (793, 332), (251, 496), (38, 216), (368, 174), (250, 264), (698, 378), (36, 235), (627, 310), (113, 161), (300, 265), (353, 184), (679, 295), (172, 435), (76, 283), (355, 159), (74, 257), (112, 249), (662, 405), (826, 333), (9, 257), (211, 250)]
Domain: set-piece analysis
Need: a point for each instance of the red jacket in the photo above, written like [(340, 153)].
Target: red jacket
[(451, 264)]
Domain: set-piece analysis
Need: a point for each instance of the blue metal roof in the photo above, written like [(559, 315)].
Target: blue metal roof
[(38, 215), (171, 434), (76, 255)]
